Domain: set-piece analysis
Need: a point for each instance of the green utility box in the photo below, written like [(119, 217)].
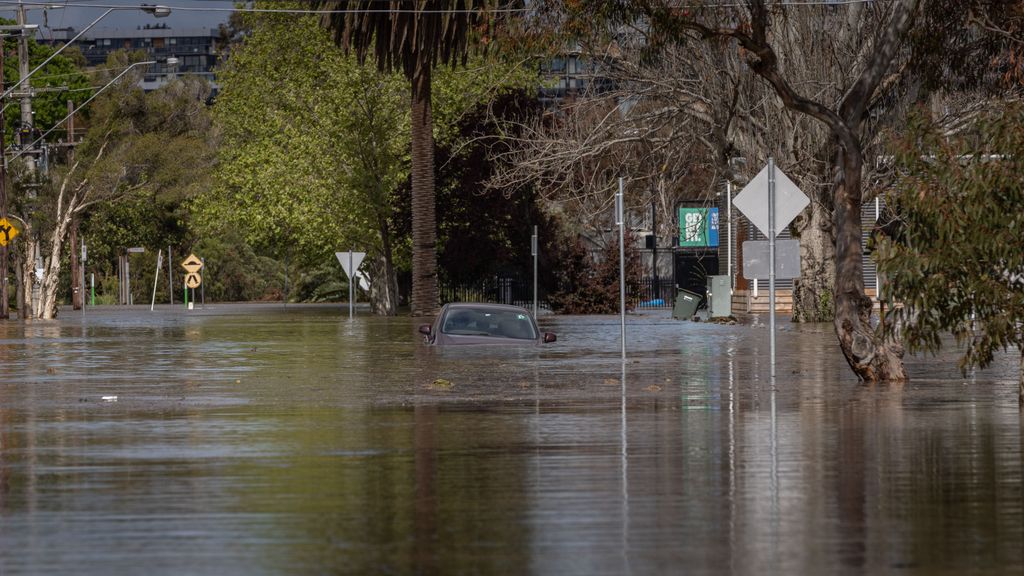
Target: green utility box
[(686, 305), (719, 297)]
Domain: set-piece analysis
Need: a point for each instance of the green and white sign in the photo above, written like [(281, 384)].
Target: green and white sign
[(698, 227)]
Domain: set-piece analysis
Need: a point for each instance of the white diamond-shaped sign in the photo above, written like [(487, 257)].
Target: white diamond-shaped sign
[(355, 260), (753, 201)]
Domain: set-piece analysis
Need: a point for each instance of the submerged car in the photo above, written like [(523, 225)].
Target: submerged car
[(470, 323)]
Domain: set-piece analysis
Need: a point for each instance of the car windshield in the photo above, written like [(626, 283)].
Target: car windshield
[(483, 322)]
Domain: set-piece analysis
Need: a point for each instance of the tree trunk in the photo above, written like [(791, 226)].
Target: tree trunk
[(424, 223), (19, 284), (51, 269), (4, 298), (869, 356), (384, 283), (77, 294), (28, 276), (813, 292)]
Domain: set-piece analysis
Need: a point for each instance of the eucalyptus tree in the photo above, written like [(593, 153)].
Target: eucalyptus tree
[(752, 29), (412, 37), (954, 259), (137, 146)]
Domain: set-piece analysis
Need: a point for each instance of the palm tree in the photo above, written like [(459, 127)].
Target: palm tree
[(414, 35)]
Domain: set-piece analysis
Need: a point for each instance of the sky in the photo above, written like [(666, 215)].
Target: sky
[(79, 13)]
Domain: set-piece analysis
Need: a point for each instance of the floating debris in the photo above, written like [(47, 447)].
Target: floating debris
[(109, 398), (441, 384)]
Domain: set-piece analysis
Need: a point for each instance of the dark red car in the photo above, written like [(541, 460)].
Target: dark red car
[(469, 323)]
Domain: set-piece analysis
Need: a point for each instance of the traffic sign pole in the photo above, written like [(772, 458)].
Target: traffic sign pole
[(771, 265), (156, 277), (533, 250), (351, 286), (621, 221), (785, 202)]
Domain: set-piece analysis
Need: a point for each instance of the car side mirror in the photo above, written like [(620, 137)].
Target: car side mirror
[(549, 337), (425, 329)]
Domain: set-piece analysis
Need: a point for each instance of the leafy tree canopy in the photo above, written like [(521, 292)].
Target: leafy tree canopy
[(315, 144), (956, 262)]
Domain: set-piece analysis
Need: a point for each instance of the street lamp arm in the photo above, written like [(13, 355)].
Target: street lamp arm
[(80, 106)]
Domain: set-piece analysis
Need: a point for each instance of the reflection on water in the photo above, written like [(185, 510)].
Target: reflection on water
[(249, 440)]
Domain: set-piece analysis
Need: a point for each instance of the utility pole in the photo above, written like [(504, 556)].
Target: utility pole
[(654, 251), (77, 279), (4, 311), (26, 89), (30, 162)]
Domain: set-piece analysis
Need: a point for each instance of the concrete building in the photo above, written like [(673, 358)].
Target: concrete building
[(195, 49)]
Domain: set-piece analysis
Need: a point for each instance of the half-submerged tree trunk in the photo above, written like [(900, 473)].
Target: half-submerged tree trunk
[(424, 223), (52, 265), (870, 357), (27, 275)]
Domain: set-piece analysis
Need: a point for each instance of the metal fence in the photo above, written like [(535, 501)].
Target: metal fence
[(511, 288), (517, 289), (653, 295)]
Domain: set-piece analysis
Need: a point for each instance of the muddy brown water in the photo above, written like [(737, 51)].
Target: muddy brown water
[(264, 440)]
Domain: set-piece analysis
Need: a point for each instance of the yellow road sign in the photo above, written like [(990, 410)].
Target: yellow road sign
[(7, 232), (192, 263), (193, 279)]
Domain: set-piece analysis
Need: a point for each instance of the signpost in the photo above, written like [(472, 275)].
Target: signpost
[(192, 266), (156, 277), (756, 256), (771, 201), (621, 222), (350, 262), (533, 252)]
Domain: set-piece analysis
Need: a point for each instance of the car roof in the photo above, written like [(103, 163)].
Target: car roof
[(484, 306)]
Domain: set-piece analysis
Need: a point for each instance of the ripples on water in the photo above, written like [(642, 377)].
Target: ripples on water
[(259, 440)]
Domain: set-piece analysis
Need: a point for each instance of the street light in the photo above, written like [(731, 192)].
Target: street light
[(156, 10), (171, 61)]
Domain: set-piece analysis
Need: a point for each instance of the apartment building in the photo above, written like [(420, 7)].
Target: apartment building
[(195, 49)]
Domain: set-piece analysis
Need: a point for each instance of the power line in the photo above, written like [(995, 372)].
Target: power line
[(14, 3)]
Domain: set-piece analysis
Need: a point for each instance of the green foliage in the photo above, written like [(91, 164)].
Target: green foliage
[(956, 263), (313, 143), (63, 71), (591, 285), (316, 146), (233, 272), (143, 155)]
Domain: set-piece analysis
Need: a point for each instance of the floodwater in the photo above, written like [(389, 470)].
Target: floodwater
[(264, 440)]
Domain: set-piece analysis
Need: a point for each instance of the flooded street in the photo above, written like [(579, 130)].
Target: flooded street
[(270, 440)]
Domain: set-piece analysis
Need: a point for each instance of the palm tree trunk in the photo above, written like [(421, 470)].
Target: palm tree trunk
[(424, 222)]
